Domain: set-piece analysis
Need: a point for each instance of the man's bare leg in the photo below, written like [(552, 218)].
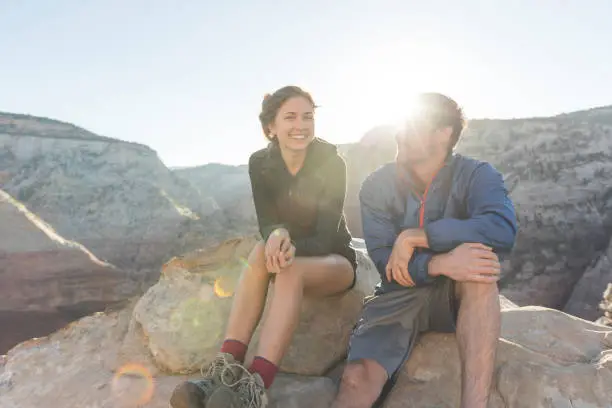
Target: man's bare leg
[(478, 331), (362, 382)]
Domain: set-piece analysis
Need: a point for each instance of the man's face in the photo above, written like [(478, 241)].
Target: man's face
[(422, 138)]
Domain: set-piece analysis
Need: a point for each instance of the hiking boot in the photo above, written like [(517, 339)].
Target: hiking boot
[(251, 391), (195, 393), (224, 397)]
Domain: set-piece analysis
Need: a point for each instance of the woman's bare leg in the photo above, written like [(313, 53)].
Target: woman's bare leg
[(250, 297), (311, 276)]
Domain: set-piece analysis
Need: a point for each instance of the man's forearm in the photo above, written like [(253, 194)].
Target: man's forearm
[(415, 237)]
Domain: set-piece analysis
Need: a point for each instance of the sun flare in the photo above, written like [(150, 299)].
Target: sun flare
[(378, 85)]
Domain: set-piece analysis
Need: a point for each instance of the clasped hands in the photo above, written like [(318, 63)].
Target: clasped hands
[(279, 251), (468, 262)]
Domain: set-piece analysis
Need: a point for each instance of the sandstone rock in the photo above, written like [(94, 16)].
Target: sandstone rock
[(228, 187), (564, 211), (108, 201), (589, 287), (505, 303), (606, 307), (294, 391), (70, 369), (116, 198), (545, 359), (374, 149), (183, 316), (46, 280)]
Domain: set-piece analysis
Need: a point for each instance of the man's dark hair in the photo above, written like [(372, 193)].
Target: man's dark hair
[(442, 111)]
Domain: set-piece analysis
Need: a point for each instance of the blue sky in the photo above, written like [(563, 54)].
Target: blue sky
[(187, 77)]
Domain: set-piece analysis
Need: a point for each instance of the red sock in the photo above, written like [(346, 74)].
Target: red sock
[(236, 348), (266, 369)]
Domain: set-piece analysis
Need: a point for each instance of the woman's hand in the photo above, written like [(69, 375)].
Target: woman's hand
[(287, 257), (279, 250)]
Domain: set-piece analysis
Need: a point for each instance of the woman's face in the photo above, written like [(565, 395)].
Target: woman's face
[(294, 124)]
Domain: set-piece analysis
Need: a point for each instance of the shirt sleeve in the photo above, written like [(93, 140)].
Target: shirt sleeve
[(329, 211), (263, 198), (491, 216), (380, 230)]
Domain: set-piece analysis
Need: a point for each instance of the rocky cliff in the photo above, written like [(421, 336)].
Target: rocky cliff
[(121, 203), (137, 355), (116, 199), (46, 280), (559, 172)]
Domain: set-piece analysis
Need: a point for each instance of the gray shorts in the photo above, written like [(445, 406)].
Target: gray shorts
[(391, 322)]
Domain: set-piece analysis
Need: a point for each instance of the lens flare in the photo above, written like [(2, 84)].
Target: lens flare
[(132, 385), (244, 263), (223, 287)]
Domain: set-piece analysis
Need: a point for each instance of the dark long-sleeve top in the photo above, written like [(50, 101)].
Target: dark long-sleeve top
[(309, 205)]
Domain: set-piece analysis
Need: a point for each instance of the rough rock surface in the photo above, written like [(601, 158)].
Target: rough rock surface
[(589, 287), (375, 148), (183, 316), (228, 187), (116, 198), (120, 202), (46, 280), (559, 172), (76, 367), (546, 358), (606, 307)]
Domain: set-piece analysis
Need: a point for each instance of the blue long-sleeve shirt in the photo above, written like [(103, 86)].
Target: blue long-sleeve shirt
[(466, 202)]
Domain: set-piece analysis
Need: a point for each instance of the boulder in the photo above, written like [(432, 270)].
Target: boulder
[(545, 358), (183, 317), (121, 358), (70, 369)]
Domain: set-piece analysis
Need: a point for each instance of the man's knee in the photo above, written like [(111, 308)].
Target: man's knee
[(355, 375), (476, 290), (364, 378)]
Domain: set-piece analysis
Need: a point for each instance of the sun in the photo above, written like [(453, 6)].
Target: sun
[(378, 85)]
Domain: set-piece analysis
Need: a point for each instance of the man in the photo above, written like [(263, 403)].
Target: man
[(434, 224)]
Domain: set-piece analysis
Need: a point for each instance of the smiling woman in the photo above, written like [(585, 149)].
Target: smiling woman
[(299, 185)]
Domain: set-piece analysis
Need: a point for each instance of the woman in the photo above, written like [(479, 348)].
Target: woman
[(299, 186)]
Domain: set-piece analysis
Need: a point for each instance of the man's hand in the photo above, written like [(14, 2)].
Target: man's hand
[(397, 266), (468, 263), (279, 251)]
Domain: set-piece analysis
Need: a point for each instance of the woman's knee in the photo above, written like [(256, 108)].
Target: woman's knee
[(257, 259), (290, 276)]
